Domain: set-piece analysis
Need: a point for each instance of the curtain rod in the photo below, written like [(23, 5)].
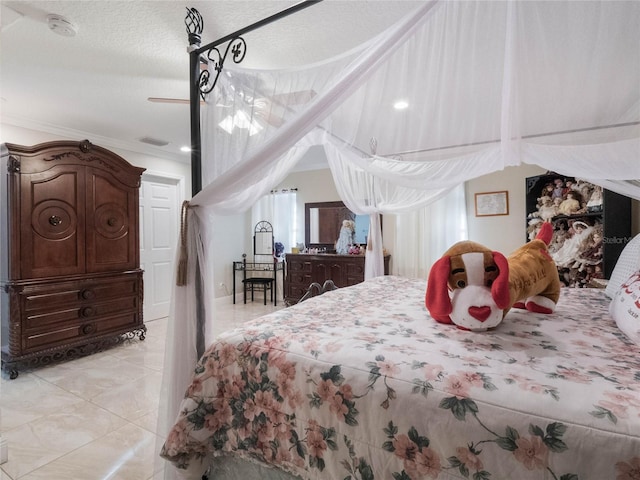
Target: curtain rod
[(536, 135), (265, 21)]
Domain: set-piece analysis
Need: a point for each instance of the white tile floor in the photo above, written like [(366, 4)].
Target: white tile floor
[(94, 418)]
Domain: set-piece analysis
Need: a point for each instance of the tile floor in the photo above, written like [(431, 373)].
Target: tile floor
[(94, 418)]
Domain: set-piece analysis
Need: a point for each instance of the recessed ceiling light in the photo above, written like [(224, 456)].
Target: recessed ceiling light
[(185, 149), (400, 105)]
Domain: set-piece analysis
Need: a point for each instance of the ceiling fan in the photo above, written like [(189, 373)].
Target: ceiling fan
[(264, 108)]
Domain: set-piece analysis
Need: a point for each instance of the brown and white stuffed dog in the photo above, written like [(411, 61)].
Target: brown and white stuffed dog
[(474, 287)]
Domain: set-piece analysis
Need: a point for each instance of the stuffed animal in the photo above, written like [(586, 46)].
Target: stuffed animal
[(474, 287)]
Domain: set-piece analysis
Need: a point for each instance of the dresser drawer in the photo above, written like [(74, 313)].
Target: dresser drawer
[(299, 266), (356, 269), (300, 279)]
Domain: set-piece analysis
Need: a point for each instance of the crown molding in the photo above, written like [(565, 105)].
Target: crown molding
[(106, 142)]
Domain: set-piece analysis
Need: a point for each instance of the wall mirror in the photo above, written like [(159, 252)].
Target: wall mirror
[(323, 221), (263, 239)]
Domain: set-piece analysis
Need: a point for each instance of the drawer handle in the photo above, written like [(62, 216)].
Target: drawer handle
[(112, 221), (88, 294), (87, 329), (55, 220), (86, 311)]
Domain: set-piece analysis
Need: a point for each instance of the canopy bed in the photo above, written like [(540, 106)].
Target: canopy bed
[(489, 85)]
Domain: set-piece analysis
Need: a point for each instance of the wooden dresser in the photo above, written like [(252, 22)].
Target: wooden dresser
[(69, 252), (303, 269)]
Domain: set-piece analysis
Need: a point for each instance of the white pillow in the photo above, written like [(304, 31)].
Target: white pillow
[(627, 264), (625, 307)]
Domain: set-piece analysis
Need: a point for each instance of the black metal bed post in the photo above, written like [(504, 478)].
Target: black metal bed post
[(195, 25)]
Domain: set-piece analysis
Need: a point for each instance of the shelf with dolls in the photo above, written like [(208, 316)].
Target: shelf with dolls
[(591, 225)]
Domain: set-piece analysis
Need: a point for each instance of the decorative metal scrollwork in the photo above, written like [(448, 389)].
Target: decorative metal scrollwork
[(214, 58), (215, 61)]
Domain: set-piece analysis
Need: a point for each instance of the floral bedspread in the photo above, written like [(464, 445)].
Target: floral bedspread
[(361, 383)]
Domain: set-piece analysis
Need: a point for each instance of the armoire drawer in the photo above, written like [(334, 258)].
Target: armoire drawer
[(88, 311), (79, 332), (76, 293)]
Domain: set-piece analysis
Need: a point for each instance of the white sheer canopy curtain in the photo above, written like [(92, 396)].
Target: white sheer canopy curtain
[(488, 84), (423, 235), (278, 208)]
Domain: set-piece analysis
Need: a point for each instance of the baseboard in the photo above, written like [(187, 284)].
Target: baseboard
[(4, 450)]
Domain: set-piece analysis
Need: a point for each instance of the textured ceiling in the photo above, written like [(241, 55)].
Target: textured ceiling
[(95, 85)]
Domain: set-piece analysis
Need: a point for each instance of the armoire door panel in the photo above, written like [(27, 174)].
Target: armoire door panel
[(112, 234), (52, 223)]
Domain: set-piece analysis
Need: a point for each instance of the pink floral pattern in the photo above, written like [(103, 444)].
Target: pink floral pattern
[(361, 384)]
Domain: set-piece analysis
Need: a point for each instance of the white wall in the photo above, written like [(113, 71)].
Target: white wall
[(512, 227)]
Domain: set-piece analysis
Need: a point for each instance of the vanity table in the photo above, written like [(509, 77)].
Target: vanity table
[(303, 269)]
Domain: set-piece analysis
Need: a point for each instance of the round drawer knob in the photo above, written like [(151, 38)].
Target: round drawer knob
[(55, 220), (87, 329), (86, 312), (88, 294)]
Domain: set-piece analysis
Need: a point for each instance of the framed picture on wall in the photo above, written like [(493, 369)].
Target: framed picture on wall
[(489, 204)]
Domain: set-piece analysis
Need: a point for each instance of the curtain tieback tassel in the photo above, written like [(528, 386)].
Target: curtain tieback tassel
[(181, 277)]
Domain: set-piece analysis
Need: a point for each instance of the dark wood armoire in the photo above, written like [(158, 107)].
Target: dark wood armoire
[(69, 252)]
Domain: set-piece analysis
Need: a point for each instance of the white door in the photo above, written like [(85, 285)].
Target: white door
[(160, 200)]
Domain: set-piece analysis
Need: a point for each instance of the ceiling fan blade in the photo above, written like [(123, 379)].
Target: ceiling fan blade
[(270, 118), (167, 100), (293, 98), (182, 101)]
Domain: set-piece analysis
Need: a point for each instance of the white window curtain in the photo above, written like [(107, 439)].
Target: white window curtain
[(489, 84), (278, 208), (423, 235)]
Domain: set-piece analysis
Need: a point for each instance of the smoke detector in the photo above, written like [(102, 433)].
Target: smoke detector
[(60, 25)]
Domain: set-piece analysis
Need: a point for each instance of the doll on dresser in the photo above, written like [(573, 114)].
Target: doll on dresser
[(346, 238)]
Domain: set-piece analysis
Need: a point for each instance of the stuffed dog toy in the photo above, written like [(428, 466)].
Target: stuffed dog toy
[(474, 287)]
